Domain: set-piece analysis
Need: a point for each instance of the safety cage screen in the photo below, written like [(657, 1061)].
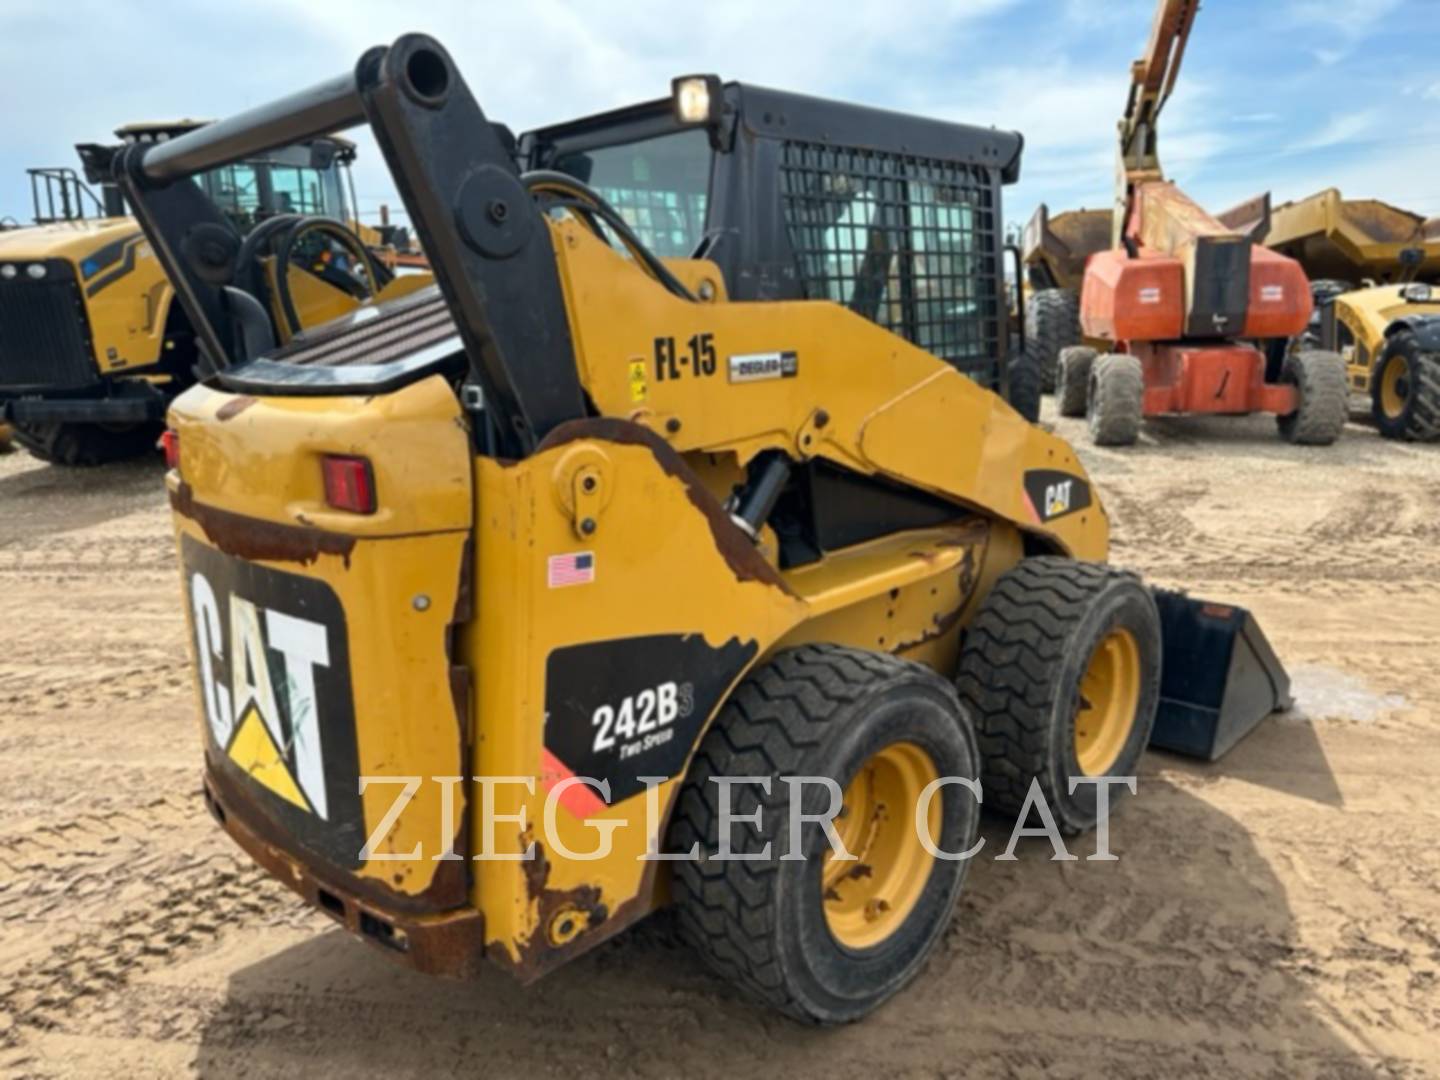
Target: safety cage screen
[(907, 242)]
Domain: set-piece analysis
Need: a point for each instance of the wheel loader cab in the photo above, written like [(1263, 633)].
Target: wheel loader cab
[(93, 348), (491, 587)]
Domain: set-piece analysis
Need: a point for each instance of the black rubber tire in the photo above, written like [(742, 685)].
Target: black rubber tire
[(1115, 402), (818, 710), (1020, 669), (87, 444), (1025, 382), (1324, 388), (1052, 321), (1419, 421), (1072, 387)]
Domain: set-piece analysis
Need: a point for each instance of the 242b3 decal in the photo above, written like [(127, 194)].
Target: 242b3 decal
[(621, 710)]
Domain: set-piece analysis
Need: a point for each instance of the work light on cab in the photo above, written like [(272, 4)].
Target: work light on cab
[(697, 98)]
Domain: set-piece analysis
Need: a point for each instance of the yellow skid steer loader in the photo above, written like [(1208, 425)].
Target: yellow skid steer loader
[(576, 586)]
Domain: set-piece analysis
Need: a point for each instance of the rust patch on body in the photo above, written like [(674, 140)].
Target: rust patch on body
[(254, 539), (234, 407), (737, 549)]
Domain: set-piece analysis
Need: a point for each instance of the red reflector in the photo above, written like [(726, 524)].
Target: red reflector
[(170, 443), (349, 483)]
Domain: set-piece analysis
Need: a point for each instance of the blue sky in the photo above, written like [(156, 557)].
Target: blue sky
[(1286, 95)]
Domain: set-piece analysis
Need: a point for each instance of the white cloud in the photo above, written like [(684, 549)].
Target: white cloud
[(1342, 128)]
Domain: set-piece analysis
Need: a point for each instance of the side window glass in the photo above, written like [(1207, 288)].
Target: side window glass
[(660, 186)]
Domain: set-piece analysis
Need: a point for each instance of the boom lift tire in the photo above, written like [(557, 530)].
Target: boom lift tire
[(1115, 403), (1025, 383), (1061, 671), (1405, 391), (1324, 390), (1052, 321), (87, 444), (820, 938), (1072, 387)]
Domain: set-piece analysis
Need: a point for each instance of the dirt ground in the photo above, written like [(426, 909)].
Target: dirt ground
[(1275, 914)]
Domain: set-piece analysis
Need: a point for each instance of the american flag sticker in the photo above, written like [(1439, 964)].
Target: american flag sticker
[(577, 568)]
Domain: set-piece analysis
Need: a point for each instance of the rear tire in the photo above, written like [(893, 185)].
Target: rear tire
[(1115, 403), (766, 925), (1030, 652), (1073, 386), (1324, 390), (86, 444), (1052, 321), (1405, 391)]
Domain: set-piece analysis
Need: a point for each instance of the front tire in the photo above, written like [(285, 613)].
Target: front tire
[(1324, 391), (822, 940), (1025, 383), (1405, 391), (1061, 671)]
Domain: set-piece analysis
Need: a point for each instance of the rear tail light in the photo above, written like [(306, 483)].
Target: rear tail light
[(349, 483), (170, 443)]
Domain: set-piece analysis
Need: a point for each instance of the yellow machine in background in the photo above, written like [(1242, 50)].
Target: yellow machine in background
[(92, 346), (508, 595), (1389, 334)]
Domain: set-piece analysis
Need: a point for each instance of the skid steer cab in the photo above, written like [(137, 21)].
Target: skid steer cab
[(575, 586), (93, 347)]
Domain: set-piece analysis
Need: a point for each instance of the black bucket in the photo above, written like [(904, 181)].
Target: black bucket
[(1220, 676)]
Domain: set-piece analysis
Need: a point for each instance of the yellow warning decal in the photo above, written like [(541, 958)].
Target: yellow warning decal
[(639, 387)]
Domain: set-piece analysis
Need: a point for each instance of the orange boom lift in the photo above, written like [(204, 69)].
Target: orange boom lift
[(1180, 300)]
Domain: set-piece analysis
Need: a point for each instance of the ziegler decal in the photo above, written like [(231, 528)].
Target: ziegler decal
[(625, 709), (758, 367), (1052, 494), (271, 656), (698, 358)]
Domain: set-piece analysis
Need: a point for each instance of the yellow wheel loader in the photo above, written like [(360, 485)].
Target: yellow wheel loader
[(92, 346), (639, 561), (1389, 337)]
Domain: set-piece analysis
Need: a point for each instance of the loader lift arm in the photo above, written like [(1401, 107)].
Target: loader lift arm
[(496, 269)]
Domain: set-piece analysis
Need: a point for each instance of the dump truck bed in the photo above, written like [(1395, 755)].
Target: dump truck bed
[(1057, 247), (1340, 238)]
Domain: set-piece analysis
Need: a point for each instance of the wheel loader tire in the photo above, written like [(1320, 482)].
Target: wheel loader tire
[(1115, 403), (1405, 391), (1324, 390), (826, 940), (1061, 671), (1072, 387), (86, 444), (1025, 381), (1052, 322)]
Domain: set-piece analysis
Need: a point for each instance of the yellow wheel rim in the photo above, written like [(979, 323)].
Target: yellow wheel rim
[(1109, 697), (868, 898), (1395, 386)]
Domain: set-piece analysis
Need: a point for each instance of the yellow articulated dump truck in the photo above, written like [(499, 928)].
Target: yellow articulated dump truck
[(637, 561), (92, 345)]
